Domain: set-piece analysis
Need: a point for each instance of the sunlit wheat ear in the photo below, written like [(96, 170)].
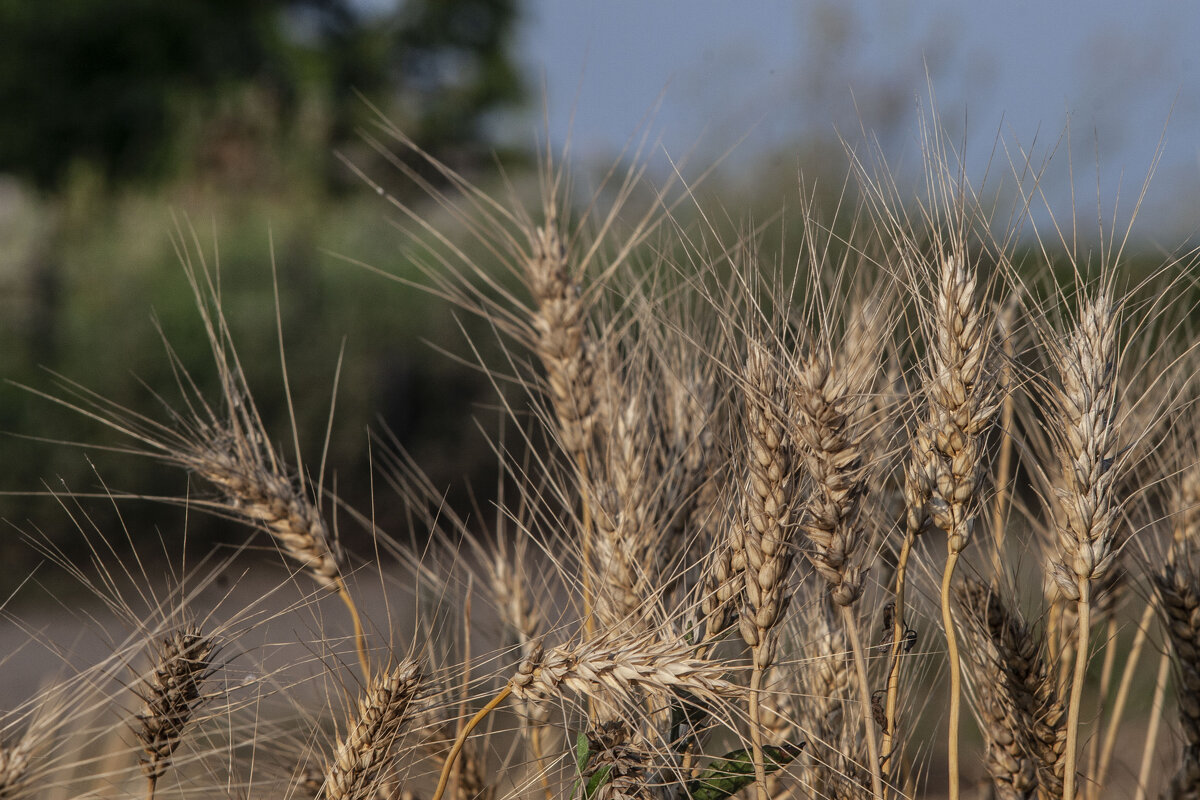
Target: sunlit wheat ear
[(620, 671), (1086, 433), (830, 445), (171, 694), (826, 674), (362, 756), (1086, 405), (761, 538), (962, 400), (14, 761), (563, 342), (1021, 717)]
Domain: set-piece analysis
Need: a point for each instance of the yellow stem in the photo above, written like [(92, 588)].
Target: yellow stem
[(756, 743), (1135, 655), (893, 679), (1160, 689), (1003, 470), (1106, 673), (461, 739), (1081, 659), (589, 624), (151, 784), (955, 674), (360, 637), (864, 692)]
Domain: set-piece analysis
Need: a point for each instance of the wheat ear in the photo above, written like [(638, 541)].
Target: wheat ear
[(830, 442), (567, 352), (1086, 404), (760, 538), (1022, 719), (961, 406), (613, 671), (354, 771), (171, 695)]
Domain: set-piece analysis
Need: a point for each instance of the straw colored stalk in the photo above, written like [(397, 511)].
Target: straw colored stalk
[(171, 695), (1088, 443), (361, 757)]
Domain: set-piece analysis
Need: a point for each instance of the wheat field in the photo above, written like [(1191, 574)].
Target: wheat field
[(909, 513)]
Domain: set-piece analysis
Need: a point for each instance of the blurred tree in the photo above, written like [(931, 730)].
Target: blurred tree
[(110, 84)]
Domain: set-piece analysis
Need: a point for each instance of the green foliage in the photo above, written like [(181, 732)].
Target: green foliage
[(114, 85), (728, 775), (722, 778)]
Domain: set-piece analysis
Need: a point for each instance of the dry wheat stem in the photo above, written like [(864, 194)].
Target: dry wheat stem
[(1128, 673)]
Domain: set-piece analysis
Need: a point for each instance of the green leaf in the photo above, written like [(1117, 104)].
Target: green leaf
[(582, 752), (727, 775), (596, 781)]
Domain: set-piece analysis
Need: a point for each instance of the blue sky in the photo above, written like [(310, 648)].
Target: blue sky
[(711, 71)]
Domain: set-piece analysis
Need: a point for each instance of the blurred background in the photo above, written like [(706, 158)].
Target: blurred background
[(120, 121)]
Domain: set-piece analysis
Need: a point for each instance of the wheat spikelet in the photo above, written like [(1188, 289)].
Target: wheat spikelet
[(562, 341), (614, 748), (621, 670), (14, 764), (830, 445), (256, 487), (625, 497), (361, 757), (962, 402), (760, 539), (171, 694), (826, 677), (1020, 715), (1086, 403)]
